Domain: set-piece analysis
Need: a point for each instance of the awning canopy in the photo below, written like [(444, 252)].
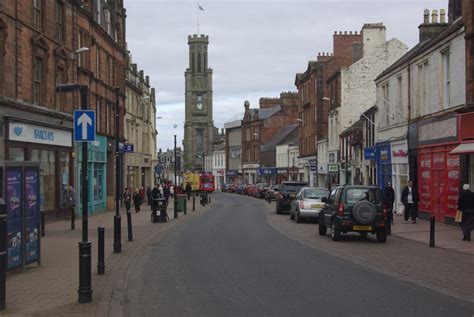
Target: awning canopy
[(464, 148)]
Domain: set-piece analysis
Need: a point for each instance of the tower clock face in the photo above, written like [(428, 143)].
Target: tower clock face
[(199, 106)]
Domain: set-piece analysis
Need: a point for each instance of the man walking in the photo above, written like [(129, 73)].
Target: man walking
[(410, 199), (388, 199), (127, 199), (188, 190), (70, 201), (466, 206)]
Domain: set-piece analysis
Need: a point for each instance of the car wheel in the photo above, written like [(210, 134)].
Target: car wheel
[(381, 236), (363, 234), (322, 228), (335, 233), (298, 218)]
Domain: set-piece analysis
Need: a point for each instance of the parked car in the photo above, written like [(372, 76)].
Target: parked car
[(271, 193), (259, 188), (308, 203), (287, 194), (354, 208), (239, 189)]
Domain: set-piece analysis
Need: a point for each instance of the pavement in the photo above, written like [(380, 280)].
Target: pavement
[(232, 262), (446, 236), (51, 289)]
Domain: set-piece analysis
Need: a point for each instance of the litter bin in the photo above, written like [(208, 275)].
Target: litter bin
[(182, 203), (203, 198), (158, 210)]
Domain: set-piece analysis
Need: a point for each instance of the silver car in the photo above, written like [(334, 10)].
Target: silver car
[(307, 203)]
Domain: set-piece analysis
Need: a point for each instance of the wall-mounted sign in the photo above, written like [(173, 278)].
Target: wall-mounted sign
[(25, 132), (369, 153), (333, 168)]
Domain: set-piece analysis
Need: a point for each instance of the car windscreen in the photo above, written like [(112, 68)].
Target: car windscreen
[(353, 195), (312, 193), (291, 188)]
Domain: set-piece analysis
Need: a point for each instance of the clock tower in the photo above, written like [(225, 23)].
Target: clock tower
[(198, 125)]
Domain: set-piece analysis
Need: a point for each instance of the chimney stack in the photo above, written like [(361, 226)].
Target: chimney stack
[(430, 30)]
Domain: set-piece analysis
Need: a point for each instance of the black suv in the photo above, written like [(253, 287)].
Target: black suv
[(354, 208), (286, 195)]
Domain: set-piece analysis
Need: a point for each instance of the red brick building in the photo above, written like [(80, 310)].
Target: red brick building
[(39, 40), (468, 17), (260, 125)]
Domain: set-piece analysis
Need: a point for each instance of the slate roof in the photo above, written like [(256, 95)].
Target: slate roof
[(290, 131), (233, 124), (265, 113)]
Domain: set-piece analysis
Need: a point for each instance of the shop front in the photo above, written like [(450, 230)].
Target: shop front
[(465, 149), (438, 168), (384, 164), (250, 173), (234, 176), (51, 148), (97, 170), (399, 169)]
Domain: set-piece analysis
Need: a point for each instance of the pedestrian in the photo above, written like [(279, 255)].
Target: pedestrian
[(137, 200), (70, 197), (388, 199), (166, 193), (410, 199), (127, 199), (148, 195), (466, 206), (142, 194), (171, 188), (188, 190)]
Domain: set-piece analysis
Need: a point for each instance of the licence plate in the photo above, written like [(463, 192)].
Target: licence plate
[(317, 206), (363, 228)]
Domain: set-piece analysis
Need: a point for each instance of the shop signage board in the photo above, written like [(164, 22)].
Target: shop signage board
[(84, 125), (312, 165), (333, 168), (25, 132), (267, 171), (369, 153), (126, 147)]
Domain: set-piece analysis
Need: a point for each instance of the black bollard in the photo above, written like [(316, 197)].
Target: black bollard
[(209, 199), (73, 219), (185, 206), (129, 226), (43, 231), (175, 206), (432, 231), (101, 261), (194, 203), (3, 255)]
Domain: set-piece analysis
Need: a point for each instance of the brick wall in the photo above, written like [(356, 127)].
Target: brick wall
[(468, 17)]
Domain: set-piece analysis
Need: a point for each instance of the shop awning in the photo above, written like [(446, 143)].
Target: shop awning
[(464, 148)]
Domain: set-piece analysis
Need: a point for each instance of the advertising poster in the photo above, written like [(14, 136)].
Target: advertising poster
[(453, 168), (31, 216), (15, 218), (424, 181)]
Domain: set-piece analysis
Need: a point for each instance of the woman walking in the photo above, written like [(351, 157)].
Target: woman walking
[(466, 206)]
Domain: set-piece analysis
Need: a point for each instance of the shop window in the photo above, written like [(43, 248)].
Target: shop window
[(64, 174), (16, 154), (46, 159), (98, 182)]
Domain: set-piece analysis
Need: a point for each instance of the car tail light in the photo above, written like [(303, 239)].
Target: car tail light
[(385, 212), (301, 205), (340, 210)]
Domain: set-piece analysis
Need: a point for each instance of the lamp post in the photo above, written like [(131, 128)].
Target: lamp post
[(85, 289), (117, 218), (175, 181)]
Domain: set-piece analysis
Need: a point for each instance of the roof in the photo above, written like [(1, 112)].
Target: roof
[(233, 124), (264, 113), (422, 47), (282, 136)]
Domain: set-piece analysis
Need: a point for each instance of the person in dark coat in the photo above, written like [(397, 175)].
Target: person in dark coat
[(70, 197), (410, 199), (137, 200), (188, 190), (148, 195), (466, 205), (166, 193), (127, 199), (388, 199)]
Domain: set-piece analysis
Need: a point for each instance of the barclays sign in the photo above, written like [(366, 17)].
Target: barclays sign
[(24, 132)]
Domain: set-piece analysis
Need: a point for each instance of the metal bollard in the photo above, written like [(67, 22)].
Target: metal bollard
[(209, 199), (129, 226), (185, 206), (101, 261), (3, 255), (194, 203), (432, 231), (43, 231), (175, 205)]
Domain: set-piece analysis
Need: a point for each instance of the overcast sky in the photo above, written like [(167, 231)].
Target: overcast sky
[(255, 49)]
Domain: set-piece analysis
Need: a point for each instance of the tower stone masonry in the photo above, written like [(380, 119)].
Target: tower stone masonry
[(198, 125)]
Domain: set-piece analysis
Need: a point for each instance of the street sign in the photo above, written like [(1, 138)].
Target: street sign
[(84, 125)]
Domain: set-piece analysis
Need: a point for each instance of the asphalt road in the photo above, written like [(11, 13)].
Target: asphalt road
[(231, 262)]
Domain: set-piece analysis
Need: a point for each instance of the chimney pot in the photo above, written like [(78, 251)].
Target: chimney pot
[(426, 15), (442, 16), (345, 32), (434, 16), (350, 32)]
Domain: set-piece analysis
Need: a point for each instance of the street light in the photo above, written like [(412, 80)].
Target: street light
[(85, 289)]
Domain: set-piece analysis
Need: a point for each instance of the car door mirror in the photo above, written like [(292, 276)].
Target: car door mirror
[(324, 200)]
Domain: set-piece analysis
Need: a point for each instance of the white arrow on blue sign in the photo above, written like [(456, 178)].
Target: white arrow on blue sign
[(84, 125)]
